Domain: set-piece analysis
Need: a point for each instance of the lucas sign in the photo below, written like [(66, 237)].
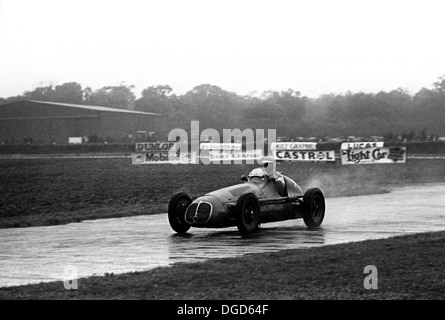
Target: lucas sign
[(361, 145), (375, 155)]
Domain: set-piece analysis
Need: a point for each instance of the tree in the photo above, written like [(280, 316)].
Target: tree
[(430, 104), (267, 110), (70, 92), (211, 105), (396, 103), (12, 99), (317, 109), (40, 94), (439, 85), (87, 94), (283, 111), (156, 99), (294, 105), (113, 96)]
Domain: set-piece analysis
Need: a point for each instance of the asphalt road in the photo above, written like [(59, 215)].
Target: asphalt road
[(32, 255)]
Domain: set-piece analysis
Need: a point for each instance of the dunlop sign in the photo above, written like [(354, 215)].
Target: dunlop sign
[(154, 146), (373, 155), (154, 152)]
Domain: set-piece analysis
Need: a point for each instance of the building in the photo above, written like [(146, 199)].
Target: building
[(51, 122)]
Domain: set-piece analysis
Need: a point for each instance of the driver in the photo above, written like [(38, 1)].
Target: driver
[(268, 170), (258, 172)]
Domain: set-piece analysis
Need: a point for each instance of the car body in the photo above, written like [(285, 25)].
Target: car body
[(259, 199)]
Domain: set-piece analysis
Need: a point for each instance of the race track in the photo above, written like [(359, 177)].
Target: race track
[(32, 255)]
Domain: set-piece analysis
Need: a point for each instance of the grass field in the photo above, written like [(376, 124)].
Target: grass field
[(408, 267), (57, 191)]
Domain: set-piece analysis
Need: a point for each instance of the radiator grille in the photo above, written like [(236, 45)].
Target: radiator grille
[(198, 212)]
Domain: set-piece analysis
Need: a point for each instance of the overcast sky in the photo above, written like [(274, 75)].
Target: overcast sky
[(314, 47)]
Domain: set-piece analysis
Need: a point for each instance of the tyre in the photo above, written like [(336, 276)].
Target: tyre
[(247, 213), (314, 207), (176, 211)]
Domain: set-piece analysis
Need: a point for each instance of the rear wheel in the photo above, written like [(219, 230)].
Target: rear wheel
[(176, 211), (314, 207), (247, 212)]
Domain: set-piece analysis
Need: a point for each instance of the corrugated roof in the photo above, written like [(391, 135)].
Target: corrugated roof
[(94, 108)]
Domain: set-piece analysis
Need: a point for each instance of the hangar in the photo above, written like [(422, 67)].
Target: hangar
[(52, 122)]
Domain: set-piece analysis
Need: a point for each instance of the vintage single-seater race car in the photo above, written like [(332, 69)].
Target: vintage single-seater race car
[(261, 198)]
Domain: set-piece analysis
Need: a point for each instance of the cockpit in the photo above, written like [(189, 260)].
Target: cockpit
[(257, 172), (262, 178), (258, 176)]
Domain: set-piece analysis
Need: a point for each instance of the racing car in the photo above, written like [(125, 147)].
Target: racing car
[(262, 197)]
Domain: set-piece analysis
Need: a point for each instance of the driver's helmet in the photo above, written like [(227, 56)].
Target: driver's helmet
[(257, 172)]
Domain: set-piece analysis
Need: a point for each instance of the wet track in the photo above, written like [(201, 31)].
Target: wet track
[(30, 255)]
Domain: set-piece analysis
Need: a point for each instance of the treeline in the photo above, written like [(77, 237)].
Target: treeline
[(392, 113)]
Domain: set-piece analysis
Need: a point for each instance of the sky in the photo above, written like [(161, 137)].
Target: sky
[(315, 47)]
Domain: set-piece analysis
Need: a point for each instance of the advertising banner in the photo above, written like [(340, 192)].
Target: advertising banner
[(293, 146), (361, 145), (373, 155), (220, 146), (300, 155), (152, 158), (154, 146), (156, 152), (216, 155), (74, 140)]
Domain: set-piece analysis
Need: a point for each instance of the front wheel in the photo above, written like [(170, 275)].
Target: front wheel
[(176, 211), (247, 211), (314, 207)]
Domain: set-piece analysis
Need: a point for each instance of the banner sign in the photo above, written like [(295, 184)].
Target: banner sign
[(153, 158), (220, 146), (361, 145), (156, 152), (74, 140), (150, 157), (162, 157), (154, 146), (289, 155), (215, 155), (293, 146), (373, 155)]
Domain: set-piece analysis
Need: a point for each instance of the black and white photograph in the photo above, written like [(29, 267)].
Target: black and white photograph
[(222, 158)]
